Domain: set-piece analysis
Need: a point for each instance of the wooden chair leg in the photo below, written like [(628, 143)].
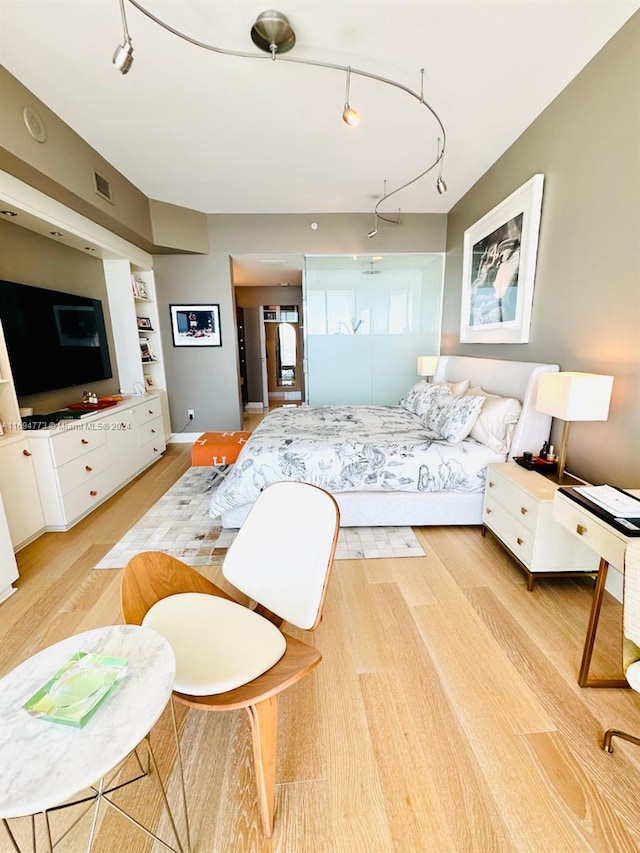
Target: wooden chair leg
[(264, 728)]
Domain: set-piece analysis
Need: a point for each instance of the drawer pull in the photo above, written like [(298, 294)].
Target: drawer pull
[(580, 529), (26, 453), (84, 441), (155, 450), (93, 493), (153, 431), (520, 541), (150, 411), (523, 510), (491, 485), (489, 510), (88, 468)]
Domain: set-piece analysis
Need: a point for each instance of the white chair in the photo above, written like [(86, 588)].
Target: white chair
[(227, 655), (631, 633)]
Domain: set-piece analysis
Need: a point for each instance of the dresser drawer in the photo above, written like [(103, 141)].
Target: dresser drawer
[(81, 470), (586, 528), (512, 532), (74, 443), (523, 507), (151, 431), (84, 498), (146, 412)]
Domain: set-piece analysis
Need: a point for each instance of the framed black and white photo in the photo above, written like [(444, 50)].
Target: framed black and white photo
[(145, 323), (499, 267), (196, 325)]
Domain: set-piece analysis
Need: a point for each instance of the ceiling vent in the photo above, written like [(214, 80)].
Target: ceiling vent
[(102, 187)]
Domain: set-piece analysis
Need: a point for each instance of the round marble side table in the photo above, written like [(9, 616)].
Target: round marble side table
[(44, 764)]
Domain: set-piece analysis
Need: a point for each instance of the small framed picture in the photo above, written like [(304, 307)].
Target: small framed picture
[(149, 382), (146, 350), (141, 288), (145, 323), (196, 325)]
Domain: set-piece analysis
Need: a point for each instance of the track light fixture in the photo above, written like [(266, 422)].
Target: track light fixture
[(273, 34), (350, 116), (123, 55), (440, 182), (374, 230)]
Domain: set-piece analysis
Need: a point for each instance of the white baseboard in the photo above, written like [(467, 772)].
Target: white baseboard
[(183, 437), (253, 407)]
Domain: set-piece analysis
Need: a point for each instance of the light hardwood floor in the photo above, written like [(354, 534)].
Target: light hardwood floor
[(445, 715)]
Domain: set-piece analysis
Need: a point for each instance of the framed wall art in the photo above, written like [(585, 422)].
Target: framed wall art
[(499, 267), (196, 325)]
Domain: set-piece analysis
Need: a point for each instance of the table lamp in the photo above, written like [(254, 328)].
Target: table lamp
[(427, 365), (573, 397)]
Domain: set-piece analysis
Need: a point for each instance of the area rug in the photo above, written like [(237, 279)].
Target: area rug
[(179, 524)]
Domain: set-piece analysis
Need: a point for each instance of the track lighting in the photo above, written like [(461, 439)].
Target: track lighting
[(350, 116), (374, 230), (273, 34), (123, 55)]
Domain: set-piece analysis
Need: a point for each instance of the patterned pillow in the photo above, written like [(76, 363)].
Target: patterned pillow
[(451, 417), (418, 399), (410, 399), (456, 388)]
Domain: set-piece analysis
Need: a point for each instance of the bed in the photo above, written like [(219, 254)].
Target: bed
[(385, 465)]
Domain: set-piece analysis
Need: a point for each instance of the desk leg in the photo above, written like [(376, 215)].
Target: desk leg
[(590, 639)]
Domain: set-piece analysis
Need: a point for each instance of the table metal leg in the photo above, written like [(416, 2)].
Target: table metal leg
[(590, 639)]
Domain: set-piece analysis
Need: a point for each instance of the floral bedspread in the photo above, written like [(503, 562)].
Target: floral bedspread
[(350, 448)]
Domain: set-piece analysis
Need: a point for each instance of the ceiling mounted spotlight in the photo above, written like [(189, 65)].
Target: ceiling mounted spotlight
[(374, 230), (350, 116), (123, 54), (273, 34), (440, 182)]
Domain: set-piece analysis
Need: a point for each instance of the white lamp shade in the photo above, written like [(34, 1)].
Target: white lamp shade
[(427, 365), (574, 396)]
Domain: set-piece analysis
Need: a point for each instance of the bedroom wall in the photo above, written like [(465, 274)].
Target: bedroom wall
[(202, 378), (586, 308)]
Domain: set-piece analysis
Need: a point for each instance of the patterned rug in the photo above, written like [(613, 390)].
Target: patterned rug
[(179, 524)]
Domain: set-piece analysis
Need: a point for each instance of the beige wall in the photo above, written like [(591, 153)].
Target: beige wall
[(586, 309), (336, 234)]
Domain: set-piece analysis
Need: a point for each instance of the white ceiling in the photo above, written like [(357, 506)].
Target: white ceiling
[(222, 134)]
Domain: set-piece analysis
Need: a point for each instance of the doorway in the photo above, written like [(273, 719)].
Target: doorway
[(282, 347)]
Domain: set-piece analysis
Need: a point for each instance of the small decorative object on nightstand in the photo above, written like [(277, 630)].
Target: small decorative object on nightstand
[(518, 510)]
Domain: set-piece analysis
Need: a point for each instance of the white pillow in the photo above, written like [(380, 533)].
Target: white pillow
[(452, 417), (497, 420), (456, 388)]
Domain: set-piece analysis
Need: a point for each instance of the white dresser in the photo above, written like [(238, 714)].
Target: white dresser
[(80, 464), (518, 510)]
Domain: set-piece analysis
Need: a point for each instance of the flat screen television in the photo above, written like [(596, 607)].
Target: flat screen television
[(54, 340)]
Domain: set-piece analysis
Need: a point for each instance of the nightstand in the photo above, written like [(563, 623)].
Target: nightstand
[(518, 511)]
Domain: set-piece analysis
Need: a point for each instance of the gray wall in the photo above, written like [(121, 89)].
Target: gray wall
[(586, 309), (202, 378), (28, 258)]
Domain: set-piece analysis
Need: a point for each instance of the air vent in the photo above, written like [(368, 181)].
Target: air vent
[(102, 187)]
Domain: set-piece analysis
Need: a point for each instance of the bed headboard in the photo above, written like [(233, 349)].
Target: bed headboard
[(517, 379)]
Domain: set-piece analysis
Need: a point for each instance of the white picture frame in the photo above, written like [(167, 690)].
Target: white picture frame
[(499, 267)]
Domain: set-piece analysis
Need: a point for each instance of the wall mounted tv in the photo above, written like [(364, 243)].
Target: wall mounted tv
[(54, 340)]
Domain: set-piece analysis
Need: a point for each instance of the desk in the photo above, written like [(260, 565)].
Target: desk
[(610, 544), (44, 764)]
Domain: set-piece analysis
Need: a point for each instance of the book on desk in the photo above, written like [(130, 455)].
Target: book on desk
[(613, 505)]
